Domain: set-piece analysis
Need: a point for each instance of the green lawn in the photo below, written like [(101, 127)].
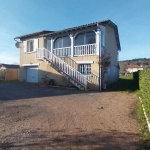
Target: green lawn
[(125, 83)]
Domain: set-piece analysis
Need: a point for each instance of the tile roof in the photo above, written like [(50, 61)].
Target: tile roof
[(134, 66), (48, 33), (9, 66), (34, 34)]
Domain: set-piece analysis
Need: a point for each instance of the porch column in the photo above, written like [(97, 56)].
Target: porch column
[(98, 37), (52, 45), (52, 42), (72, 44)]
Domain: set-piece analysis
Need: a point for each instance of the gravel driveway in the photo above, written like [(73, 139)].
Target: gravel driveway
[(39, 118)]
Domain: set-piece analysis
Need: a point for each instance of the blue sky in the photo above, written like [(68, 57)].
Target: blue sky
[(19, 17)]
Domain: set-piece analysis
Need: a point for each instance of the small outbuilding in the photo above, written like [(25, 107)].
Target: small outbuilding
[(9, 72)]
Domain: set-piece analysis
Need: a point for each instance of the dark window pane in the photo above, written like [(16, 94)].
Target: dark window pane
[(58, 43), (31, 46), (79, 40), (66, 41), (90, 38), (48, 44)]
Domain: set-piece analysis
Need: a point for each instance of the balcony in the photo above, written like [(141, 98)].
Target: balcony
[(85, 50), (62, 52)]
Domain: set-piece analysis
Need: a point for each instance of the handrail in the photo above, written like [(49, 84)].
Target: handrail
[(92, 78), (69, 70), (61, 52), (85, 45), (85, 50)]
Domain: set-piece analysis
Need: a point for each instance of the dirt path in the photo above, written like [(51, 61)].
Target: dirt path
[(49, 118)]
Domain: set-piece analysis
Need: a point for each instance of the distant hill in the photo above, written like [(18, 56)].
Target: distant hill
[(145, 62)]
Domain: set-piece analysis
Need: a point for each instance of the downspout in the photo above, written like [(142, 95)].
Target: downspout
[(100, 66)]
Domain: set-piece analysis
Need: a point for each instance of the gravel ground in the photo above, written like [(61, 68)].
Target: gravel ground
[(38, 118)]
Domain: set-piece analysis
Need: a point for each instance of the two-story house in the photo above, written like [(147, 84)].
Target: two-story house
[(70, 56)]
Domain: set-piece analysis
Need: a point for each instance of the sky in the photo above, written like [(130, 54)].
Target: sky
[(19, 17)]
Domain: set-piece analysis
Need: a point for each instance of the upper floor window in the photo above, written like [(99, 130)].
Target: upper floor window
[(85, 38), (30, 46), (62, 42), (47, 44)]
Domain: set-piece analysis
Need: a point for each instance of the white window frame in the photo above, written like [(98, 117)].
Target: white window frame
[(28, 46), (35, 45)]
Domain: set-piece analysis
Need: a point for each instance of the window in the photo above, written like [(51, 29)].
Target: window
[(79, 40), (62, 42), (85, 69), (66, 41), (90, 38), (85, 38), (47, 44), (30, 46)]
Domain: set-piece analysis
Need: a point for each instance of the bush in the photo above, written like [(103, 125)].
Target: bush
[(144, 84)]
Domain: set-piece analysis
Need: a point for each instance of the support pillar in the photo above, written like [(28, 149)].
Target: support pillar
[(72, 45)]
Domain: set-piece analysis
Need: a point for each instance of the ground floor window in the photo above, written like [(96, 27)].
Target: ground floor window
[(85, 69)]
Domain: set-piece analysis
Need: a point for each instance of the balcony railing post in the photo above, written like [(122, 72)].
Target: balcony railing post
[(98, 38), (72, 45)]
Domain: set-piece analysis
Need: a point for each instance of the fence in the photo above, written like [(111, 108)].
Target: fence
[(12, 74)]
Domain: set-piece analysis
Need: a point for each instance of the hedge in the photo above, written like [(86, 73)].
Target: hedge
[(144, 86)]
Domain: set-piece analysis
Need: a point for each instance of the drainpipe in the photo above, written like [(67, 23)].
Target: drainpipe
[(99, 53)]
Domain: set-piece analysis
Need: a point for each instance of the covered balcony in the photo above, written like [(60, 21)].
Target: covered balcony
[(80, 44)]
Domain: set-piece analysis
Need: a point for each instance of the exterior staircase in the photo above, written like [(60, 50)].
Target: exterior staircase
[(92, 78), (67, 71)]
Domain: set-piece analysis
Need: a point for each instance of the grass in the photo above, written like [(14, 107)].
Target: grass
[(127, 84), (145, 135), (9, 81)]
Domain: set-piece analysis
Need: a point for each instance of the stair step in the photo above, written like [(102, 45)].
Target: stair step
[(58, 68)]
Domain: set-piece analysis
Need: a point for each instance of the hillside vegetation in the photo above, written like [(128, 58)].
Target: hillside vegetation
[(145, 62)]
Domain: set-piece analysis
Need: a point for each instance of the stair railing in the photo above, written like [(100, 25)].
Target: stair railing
[(92, 78), (66, 68)]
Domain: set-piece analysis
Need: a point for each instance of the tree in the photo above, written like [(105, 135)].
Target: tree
[(2, 74), (104, 62)]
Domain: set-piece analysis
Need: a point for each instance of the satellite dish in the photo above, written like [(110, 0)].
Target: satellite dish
[(17, 44)]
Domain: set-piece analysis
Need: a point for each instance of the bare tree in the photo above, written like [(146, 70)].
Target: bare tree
[(104, 62)]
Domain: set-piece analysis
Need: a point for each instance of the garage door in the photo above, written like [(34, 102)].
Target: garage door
[(32, 74)]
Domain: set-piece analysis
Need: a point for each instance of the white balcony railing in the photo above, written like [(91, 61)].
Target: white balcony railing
[(85, 50), (62, 52)]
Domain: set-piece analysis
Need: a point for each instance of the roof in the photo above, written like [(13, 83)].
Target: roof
[(9, 66), (134, 66), (33, 34), (105, 22)]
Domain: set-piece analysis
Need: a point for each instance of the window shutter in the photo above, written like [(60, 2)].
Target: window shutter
[(35, 44), (25, 46)]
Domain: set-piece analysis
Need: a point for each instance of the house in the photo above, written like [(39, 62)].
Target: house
[(9, 72), (133, 68), (70, 56)]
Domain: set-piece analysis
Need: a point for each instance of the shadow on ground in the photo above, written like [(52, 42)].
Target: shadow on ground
[(80, 139), (20, 91), (128, 85)]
